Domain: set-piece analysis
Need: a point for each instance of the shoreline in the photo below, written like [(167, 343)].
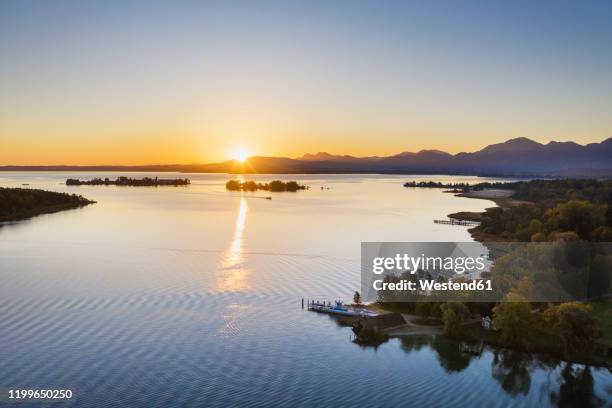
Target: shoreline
[(501, 198), (42, 211), (43, 202), (473, 332)]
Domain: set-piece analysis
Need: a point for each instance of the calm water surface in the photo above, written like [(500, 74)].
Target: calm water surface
[(190, 296)]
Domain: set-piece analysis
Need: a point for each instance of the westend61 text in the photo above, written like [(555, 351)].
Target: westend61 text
[(432, 285)]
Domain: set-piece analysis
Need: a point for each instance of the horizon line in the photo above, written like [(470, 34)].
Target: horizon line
[(339, 155)]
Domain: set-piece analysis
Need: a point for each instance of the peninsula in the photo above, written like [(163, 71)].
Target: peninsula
[(20, 203), (543, 210)]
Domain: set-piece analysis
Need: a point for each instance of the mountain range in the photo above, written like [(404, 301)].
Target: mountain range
[(514, 157)]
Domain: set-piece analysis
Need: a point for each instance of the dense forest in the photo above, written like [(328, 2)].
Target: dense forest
[(273, 186), (131, 182), (561, 210), (20, 203), (555, 191)]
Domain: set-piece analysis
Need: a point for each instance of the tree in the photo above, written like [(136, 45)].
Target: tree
[(524, 287), (582, 217), (573, 323), (357, 298), (277, 185), (512, 316), (292, 186), (233, 185), (453, 316)]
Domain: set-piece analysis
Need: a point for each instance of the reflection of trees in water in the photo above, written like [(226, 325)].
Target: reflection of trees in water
[(511, 369), (450, 356), (414, 343), (576, 388), (573, 386)]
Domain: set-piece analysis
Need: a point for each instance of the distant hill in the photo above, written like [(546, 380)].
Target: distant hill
[(515, 157)]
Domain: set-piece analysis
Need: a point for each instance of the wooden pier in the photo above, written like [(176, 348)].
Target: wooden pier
[(451, 221)]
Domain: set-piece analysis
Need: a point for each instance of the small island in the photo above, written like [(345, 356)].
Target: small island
[(20, 203), (130, 182), (274, 186)]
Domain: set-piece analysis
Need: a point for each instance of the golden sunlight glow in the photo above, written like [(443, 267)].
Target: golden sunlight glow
[(233, 274), (240, 154)]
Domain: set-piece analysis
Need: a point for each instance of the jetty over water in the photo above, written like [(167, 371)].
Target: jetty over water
[(451, 221), (338, 308)]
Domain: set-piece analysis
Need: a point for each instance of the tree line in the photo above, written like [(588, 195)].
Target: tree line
[(463, 187), (127, 181), (273, 186), (20, 203), (561, 210)]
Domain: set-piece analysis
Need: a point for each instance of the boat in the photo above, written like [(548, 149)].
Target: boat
[(339, 309)]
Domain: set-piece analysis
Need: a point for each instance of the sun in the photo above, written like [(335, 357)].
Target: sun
[(240, 154)]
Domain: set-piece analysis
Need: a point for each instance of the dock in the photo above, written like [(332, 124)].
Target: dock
[(338, 308), (452, 221)]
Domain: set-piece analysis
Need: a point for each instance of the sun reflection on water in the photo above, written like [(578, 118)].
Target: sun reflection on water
[(233, 274)]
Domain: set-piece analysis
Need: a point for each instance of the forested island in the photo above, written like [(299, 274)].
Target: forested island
[(131, 182), (21, 203), (273, 186)]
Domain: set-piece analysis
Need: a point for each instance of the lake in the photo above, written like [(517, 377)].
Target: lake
[(190, 296)]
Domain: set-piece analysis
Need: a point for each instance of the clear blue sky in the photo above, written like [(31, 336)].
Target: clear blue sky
[(141, 82)]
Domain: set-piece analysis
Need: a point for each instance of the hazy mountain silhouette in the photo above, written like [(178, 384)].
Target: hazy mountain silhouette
[(515, 157)]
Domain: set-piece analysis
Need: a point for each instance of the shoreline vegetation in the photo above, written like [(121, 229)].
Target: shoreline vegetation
[(462, 187), (541, 330), (501, 197), (532, 211), (130, 182), (499, 192), (22, 203), (274, 186), (544, 211)]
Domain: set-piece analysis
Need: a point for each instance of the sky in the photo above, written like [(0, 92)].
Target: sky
[(180, 82)]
